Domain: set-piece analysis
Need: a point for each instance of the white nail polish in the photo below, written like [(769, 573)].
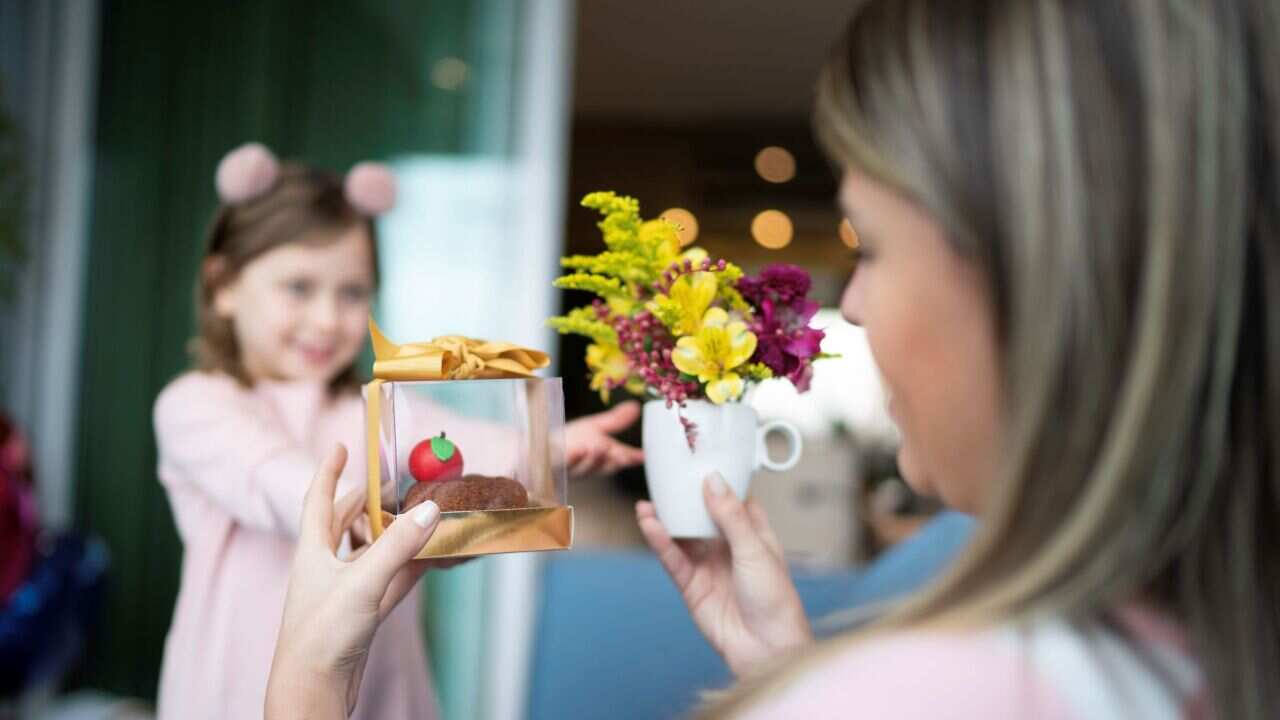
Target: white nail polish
[(426, 513), (716, 483)]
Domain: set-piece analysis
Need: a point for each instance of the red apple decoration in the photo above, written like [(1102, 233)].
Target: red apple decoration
[(435, 459)]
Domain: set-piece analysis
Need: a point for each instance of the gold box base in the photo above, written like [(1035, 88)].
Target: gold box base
[(489, 532)]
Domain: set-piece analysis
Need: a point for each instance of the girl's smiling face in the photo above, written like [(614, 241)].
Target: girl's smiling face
[(300, 311)]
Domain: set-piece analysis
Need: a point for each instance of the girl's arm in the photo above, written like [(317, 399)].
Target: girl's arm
[(211, 437)]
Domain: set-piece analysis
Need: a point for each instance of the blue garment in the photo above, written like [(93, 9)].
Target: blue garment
[(44, 625), (913, 562), (614, 639)]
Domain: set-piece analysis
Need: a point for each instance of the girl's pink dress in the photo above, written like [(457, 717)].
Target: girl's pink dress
[(236, 464)]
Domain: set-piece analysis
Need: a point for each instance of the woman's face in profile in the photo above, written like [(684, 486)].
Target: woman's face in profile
[(930, 324)]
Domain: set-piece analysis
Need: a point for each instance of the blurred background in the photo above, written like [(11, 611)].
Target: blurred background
[(497, 116)]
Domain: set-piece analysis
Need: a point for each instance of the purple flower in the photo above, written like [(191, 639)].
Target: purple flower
[(781, 283), (784, 341), (801, 377)]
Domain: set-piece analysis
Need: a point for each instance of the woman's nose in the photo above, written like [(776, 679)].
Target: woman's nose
[(851, 300)]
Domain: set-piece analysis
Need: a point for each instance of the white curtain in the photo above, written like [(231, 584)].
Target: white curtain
[(50, 61), (472, 249)]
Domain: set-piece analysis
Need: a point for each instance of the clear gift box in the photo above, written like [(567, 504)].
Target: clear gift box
[(489, 451)]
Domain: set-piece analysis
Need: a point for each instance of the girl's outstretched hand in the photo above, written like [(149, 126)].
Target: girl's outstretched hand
[(333, 607), (590, 447)]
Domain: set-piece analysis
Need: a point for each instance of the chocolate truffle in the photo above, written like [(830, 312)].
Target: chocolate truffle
[(470, 492)]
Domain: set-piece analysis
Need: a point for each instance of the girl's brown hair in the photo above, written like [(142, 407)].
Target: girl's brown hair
[(305, 205), (1113, 168)]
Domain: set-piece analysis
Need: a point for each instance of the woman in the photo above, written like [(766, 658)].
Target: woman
[(1070, 279)]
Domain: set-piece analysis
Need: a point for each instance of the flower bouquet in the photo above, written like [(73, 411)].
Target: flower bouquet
[(690, 333)]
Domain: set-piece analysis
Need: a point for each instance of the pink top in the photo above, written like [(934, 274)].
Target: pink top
[(1046, 669), (236, 464)]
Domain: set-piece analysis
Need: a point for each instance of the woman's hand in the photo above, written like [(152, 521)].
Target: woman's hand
[(590, 448), (737, 589), (333, 607)]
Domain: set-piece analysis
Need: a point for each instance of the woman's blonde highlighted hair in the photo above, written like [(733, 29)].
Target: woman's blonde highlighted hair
[(1112, 167)]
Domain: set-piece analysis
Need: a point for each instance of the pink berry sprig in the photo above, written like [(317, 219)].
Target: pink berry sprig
[(648, 347), (690, 431), (686, 267)]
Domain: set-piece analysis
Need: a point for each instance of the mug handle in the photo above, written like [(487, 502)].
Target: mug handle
[(762, 449)]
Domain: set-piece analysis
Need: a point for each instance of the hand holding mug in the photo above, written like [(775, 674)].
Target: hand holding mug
[(728, 440), (737, 589)]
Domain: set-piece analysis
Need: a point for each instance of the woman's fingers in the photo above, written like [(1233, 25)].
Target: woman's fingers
[(398, 544), (361, 532), (730, 515), (405, 578), (760, 521), (346, 514), (672, 557), (317, 508)]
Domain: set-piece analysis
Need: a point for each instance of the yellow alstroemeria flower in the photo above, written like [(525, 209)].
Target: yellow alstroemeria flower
[(609, 366), (690, 295), (713, 353)]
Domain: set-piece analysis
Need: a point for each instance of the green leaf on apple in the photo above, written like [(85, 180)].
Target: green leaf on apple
[(442, 448)]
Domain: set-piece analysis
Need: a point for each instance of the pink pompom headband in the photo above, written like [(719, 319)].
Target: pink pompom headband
[(251, 170)]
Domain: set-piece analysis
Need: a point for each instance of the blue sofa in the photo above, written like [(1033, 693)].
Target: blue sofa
[(614, 640)]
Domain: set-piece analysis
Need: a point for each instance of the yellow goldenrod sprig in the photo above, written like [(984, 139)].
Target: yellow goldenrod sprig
[(626, 266), (601, 285), (756, 371), (585, 321)]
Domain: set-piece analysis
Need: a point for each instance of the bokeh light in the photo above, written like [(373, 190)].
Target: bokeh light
[(772, 229), (685, 221), (448, 73), (775, 164)]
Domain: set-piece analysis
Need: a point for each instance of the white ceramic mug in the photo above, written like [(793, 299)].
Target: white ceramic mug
[(730, 440)]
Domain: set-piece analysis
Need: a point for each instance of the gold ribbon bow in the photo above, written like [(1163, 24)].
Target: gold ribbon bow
[(451, 357)]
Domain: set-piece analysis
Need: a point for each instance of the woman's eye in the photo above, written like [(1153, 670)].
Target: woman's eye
[(299, 288), (860, 256)]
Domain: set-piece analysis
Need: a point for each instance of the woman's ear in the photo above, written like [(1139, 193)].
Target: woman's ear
[(214, 275)]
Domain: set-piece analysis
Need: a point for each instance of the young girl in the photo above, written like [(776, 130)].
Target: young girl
[(282, 301)]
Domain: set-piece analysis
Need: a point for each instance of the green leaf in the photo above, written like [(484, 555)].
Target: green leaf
[(443, 448)]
